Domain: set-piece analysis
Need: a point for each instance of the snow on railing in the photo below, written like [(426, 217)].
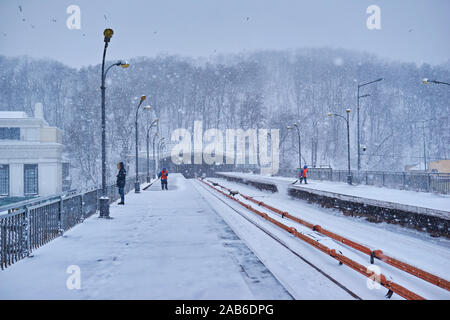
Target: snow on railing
[(415, 181)]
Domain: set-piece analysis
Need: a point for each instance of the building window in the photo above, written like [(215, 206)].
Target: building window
[(9, 133), (30, 173), (4, 179)]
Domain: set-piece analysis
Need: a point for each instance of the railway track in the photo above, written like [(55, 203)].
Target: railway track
[(378, 254), (279, 218), (293, 251)]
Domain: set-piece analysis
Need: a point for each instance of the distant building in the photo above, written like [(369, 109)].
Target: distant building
[(441, 166), (31, 161)]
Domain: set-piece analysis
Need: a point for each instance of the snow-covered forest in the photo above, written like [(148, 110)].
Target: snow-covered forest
[(266, 89)]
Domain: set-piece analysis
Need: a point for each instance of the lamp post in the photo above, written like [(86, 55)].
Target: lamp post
[(347, 120), (161, 148), (424, 142), (428, 81), (357, 117), (299, 145), (148, 142), (104, 200), (160, 142), (137, 188), (424, 148), (154, 155)]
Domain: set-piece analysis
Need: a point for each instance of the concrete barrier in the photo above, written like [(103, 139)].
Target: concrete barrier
[(436, 222)]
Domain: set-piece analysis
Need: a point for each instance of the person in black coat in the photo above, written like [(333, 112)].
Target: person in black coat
[(121, 176)]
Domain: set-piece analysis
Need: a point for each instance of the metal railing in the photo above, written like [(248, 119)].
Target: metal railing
[(416, 181), (30, 224)]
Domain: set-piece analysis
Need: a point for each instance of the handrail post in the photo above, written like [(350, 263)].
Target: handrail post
[(82, 217), (25, 234), (2, 246), (61, 216)]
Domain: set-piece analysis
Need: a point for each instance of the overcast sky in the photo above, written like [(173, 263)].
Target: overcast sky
[(411, 30)]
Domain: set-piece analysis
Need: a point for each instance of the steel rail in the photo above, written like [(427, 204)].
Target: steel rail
[(270, 234), (390, 285), (415, 271)]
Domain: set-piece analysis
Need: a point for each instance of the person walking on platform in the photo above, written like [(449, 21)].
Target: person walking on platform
[(163, 174), (121, 176), (303, 172)]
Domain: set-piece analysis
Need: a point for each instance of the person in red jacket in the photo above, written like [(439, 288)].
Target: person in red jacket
[(303, 172), (163, 176)]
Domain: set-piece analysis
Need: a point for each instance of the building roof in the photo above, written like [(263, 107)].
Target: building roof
[(13, 115)]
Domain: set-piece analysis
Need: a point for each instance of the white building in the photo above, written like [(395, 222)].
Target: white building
[(30, 155)]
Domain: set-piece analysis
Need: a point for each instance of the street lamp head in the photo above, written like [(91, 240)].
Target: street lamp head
[(123, 64), (295, 124), (425, 81), (143, 98), (108, 33), (288, 127), (330, 114), (381, 79), (347, 110)]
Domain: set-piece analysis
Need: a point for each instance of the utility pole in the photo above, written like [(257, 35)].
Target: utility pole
[(154, 122), (299, 144), (424, 147), (137, 185), (347, 120), (357, 118)]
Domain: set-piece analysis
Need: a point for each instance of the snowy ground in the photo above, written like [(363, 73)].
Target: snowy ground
[(428, 253), (160, 245), (412, 198)]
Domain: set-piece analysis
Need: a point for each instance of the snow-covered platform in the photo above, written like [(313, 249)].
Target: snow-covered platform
[(160, 245), (419, 210), (426, 200)]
